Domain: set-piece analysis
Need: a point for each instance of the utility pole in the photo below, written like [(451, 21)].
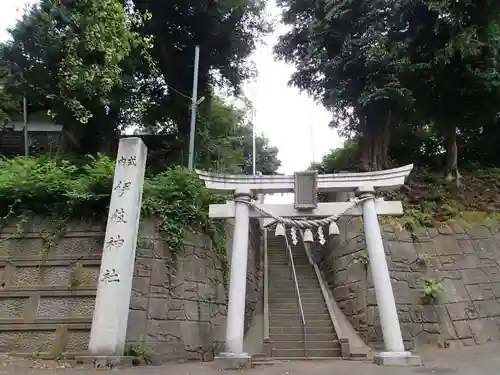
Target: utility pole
[(25, 118), (312, 142), (254, 148), (194, 105)]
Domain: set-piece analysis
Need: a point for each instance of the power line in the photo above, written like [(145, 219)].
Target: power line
[(177, 91)]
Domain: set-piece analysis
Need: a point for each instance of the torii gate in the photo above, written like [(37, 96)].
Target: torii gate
[(306, 185)]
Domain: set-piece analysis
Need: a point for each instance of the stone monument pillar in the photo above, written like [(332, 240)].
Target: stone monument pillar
[(109, 325)]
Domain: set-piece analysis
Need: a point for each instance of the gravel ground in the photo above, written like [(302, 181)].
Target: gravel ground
[(483, 360)]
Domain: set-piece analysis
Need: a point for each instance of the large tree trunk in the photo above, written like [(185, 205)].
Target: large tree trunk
[(452, 156), (375, 145)]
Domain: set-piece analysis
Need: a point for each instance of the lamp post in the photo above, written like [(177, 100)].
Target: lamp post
[(194, 105), (254, 147)]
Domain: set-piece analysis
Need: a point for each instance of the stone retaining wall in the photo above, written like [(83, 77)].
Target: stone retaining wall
[(48, 287), (464, 260), (178, 306)]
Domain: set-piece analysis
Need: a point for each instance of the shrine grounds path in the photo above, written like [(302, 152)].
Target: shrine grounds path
[(482, 360)]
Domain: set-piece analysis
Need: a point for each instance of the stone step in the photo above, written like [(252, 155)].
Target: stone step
[(306, 288), (272, 264), (308, 308), (326, 353), (296, 323), (309, 316), (283, 252), (291, 286), (299, 344), (305, 299), (274, 345), (280, 297), (299, 330), (286, 276), (287, 305), (302, 284), (290, 293), (309, 288), (300, 281), (329, 336)]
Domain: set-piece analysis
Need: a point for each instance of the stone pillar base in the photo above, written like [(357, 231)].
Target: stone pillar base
[(397, 359), (233, 361), (105, 362)]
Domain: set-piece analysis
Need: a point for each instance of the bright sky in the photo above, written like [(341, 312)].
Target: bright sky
[(291, 120)]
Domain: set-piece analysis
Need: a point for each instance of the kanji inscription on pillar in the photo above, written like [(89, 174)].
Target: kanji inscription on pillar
[(111, 276), (109, 324)]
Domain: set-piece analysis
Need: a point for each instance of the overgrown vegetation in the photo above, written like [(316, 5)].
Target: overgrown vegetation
[(433, 290), (64, 190), (138, 352), (363, 259), (429, 201)]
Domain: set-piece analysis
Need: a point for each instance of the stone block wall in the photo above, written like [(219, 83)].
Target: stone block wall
[(464, 260), (179, 303), (48, 288)]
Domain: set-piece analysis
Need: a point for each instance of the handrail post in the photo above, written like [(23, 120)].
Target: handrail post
[(266, 290), (297, 291)]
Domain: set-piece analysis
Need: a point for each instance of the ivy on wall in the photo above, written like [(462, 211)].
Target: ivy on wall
[(81, 189)]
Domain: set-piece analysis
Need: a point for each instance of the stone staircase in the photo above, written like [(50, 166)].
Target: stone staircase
[(287, 337)]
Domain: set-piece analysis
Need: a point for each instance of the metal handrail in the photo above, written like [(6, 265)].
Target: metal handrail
[(299, 299), (266, 289)]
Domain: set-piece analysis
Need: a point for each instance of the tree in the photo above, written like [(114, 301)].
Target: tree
[(397, 67), (8, 103), (74, 58), (346, 59), (226, 142), (453, 47), (225, 30)]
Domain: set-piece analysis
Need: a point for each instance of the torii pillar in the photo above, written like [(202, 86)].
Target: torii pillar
[(365, 185)]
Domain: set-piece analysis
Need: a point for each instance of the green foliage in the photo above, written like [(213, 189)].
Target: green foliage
[(428, 200), (340, 159), (8, 104), (223, 143), (180, 200), (408, 80), (37, 183), (139, 353), (64, 190), (226, 142), (432, 291), (363, 259), (83, 62), (82, 46), (227, 32)]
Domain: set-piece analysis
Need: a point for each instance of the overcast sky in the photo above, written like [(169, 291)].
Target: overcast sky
[(292, 121)]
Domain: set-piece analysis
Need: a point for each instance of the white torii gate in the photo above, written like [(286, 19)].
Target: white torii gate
[(364, 184)]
